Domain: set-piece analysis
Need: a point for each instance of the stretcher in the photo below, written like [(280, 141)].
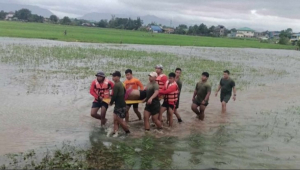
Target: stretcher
[(127, 101)]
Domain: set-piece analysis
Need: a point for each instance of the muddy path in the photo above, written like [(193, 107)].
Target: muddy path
[(260, 129)]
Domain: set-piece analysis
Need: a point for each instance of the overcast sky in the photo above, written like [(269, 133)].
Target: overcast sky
[(257, 14)]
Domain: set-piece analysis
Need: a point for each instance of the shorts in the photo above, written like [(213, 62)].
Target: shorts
[(199, 104), (153, 108), (120, 112), (177, 104), (167, 105), (135, 106), (225, 97), (99, 105)]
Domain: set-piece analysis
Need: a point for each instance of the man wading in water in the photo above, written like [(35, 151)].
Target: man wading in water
[(201, 96), (120, 105), (179, 83), (100, 90), (134, 84), (226, 85), (152, 103)]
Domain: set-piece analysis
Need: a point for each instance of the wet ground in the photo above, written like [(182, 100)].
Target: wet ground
[(44, 100)]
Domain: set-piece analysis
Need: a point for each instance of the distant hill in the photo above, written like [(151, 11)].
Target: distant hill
[(7, 7), (146, 19)]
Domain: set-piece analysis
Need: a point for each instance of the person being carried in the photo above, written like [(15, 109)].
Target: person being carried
[(201, 96), (179, 83), (170, 91), (100, 90), (133, 84), (226, 85), (152, 103), (120, 105)]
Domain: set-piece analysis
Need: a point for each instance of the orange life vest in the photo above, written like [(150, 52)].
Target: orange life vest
[(172, 98), (159, 82), (102, 89)]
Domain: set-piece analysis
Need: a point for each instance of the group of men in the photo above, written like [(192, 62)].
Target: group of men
[(159, 87)]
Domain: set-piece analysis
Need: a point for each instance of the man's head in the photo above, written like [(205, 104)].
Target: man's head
[(205, 76), (116, 76), (100, 76), (159, 69), (178, 72), (172, 77), (128, 74), (152, 77), (226, 74)]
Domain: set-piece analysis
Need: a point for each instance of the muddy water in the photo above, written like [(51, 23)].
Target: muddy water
[(260, 129)]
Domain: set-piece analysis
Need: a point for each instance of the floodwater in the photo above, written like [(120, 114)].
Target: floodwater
[(260, 130)]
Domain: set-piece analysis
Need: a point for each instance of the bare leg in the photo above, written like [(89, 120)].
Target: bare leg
[(103, 114), (202, 109), (170, 115), (146, 120), (223, 107), (136, 110), (156, 121), (127, 114), (162, 110), (94, 113), (116, 125), (121, 122), (194, 108)]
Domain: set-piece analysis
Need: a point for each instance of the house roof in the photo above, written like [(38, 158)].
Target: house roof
[(156, 28), (245, 29)]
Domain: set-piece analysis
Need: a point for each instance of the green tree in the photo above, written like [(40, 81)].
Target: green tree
[(66, 21), (233, 30), (23, 14), (211, 29), (103, 23), (53, 18), (2, 15), (36, 18), (298, 43)]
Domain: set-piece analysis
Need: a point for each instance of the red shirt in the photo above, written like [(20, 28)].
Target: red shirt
[(93, 87), (169, 90)]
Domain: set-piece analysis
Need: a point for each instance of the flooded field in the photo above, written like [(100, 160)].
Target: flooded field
[(45, 107)]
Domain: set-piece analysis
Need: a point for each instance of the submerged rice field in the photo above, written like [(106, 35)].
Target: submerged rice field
[(45, 105)]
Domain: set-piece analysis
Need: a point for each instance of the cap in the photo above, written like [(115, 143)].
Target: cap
[(116, 74), (159, 66), (100, 73), (153, 74)]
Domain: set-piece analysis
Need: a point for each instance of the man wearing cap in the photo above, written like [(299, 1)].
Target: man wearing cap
[(170, 92), (161, 78), (152, 102), (201, 96), (100, 90), (118, 99)]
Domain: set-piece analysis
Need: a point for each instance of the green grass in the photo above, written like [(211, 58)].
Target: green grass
[(100, 35)]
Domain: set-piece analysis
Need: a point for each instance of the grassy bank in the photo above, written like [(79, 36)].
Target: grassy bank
[(100, 35)]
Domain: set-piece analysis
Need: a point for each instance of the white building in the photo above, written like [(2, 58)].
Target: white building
[(245, 32), (9, 16)]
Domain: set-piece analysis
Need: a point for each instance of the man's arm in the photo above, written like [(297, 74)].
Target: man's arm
[(112, 85), (208, 94), (169, 90), (114, 96), (139, 83), (92, 91), (164, 79)]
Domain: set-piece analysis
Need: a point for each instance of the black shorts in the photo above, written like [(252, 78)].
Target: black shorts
[(135, 106), (225, 97), (199, 104), (153, 108), (167, 105), (99, 105), (120, 112)]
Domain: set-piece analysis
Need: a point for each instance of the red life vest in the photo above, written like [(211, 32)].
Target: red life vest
[(102, 89), (172, 98), (159, 82)]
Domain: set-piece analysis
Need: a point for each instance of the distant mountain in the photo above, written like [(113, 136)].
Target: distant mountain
[(7, 7), (146, 19)]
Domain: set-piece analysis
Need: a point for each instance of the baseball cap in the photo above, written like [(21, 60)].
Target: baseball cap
[(153, 74), (159, 66), (100, 73), (116, 74)]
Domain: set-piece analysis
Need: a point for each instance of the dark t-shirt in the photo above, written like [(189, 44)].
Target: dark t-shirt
[(150, 90), (227, 85), (118, 95), (179, 83), (202, 88)]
